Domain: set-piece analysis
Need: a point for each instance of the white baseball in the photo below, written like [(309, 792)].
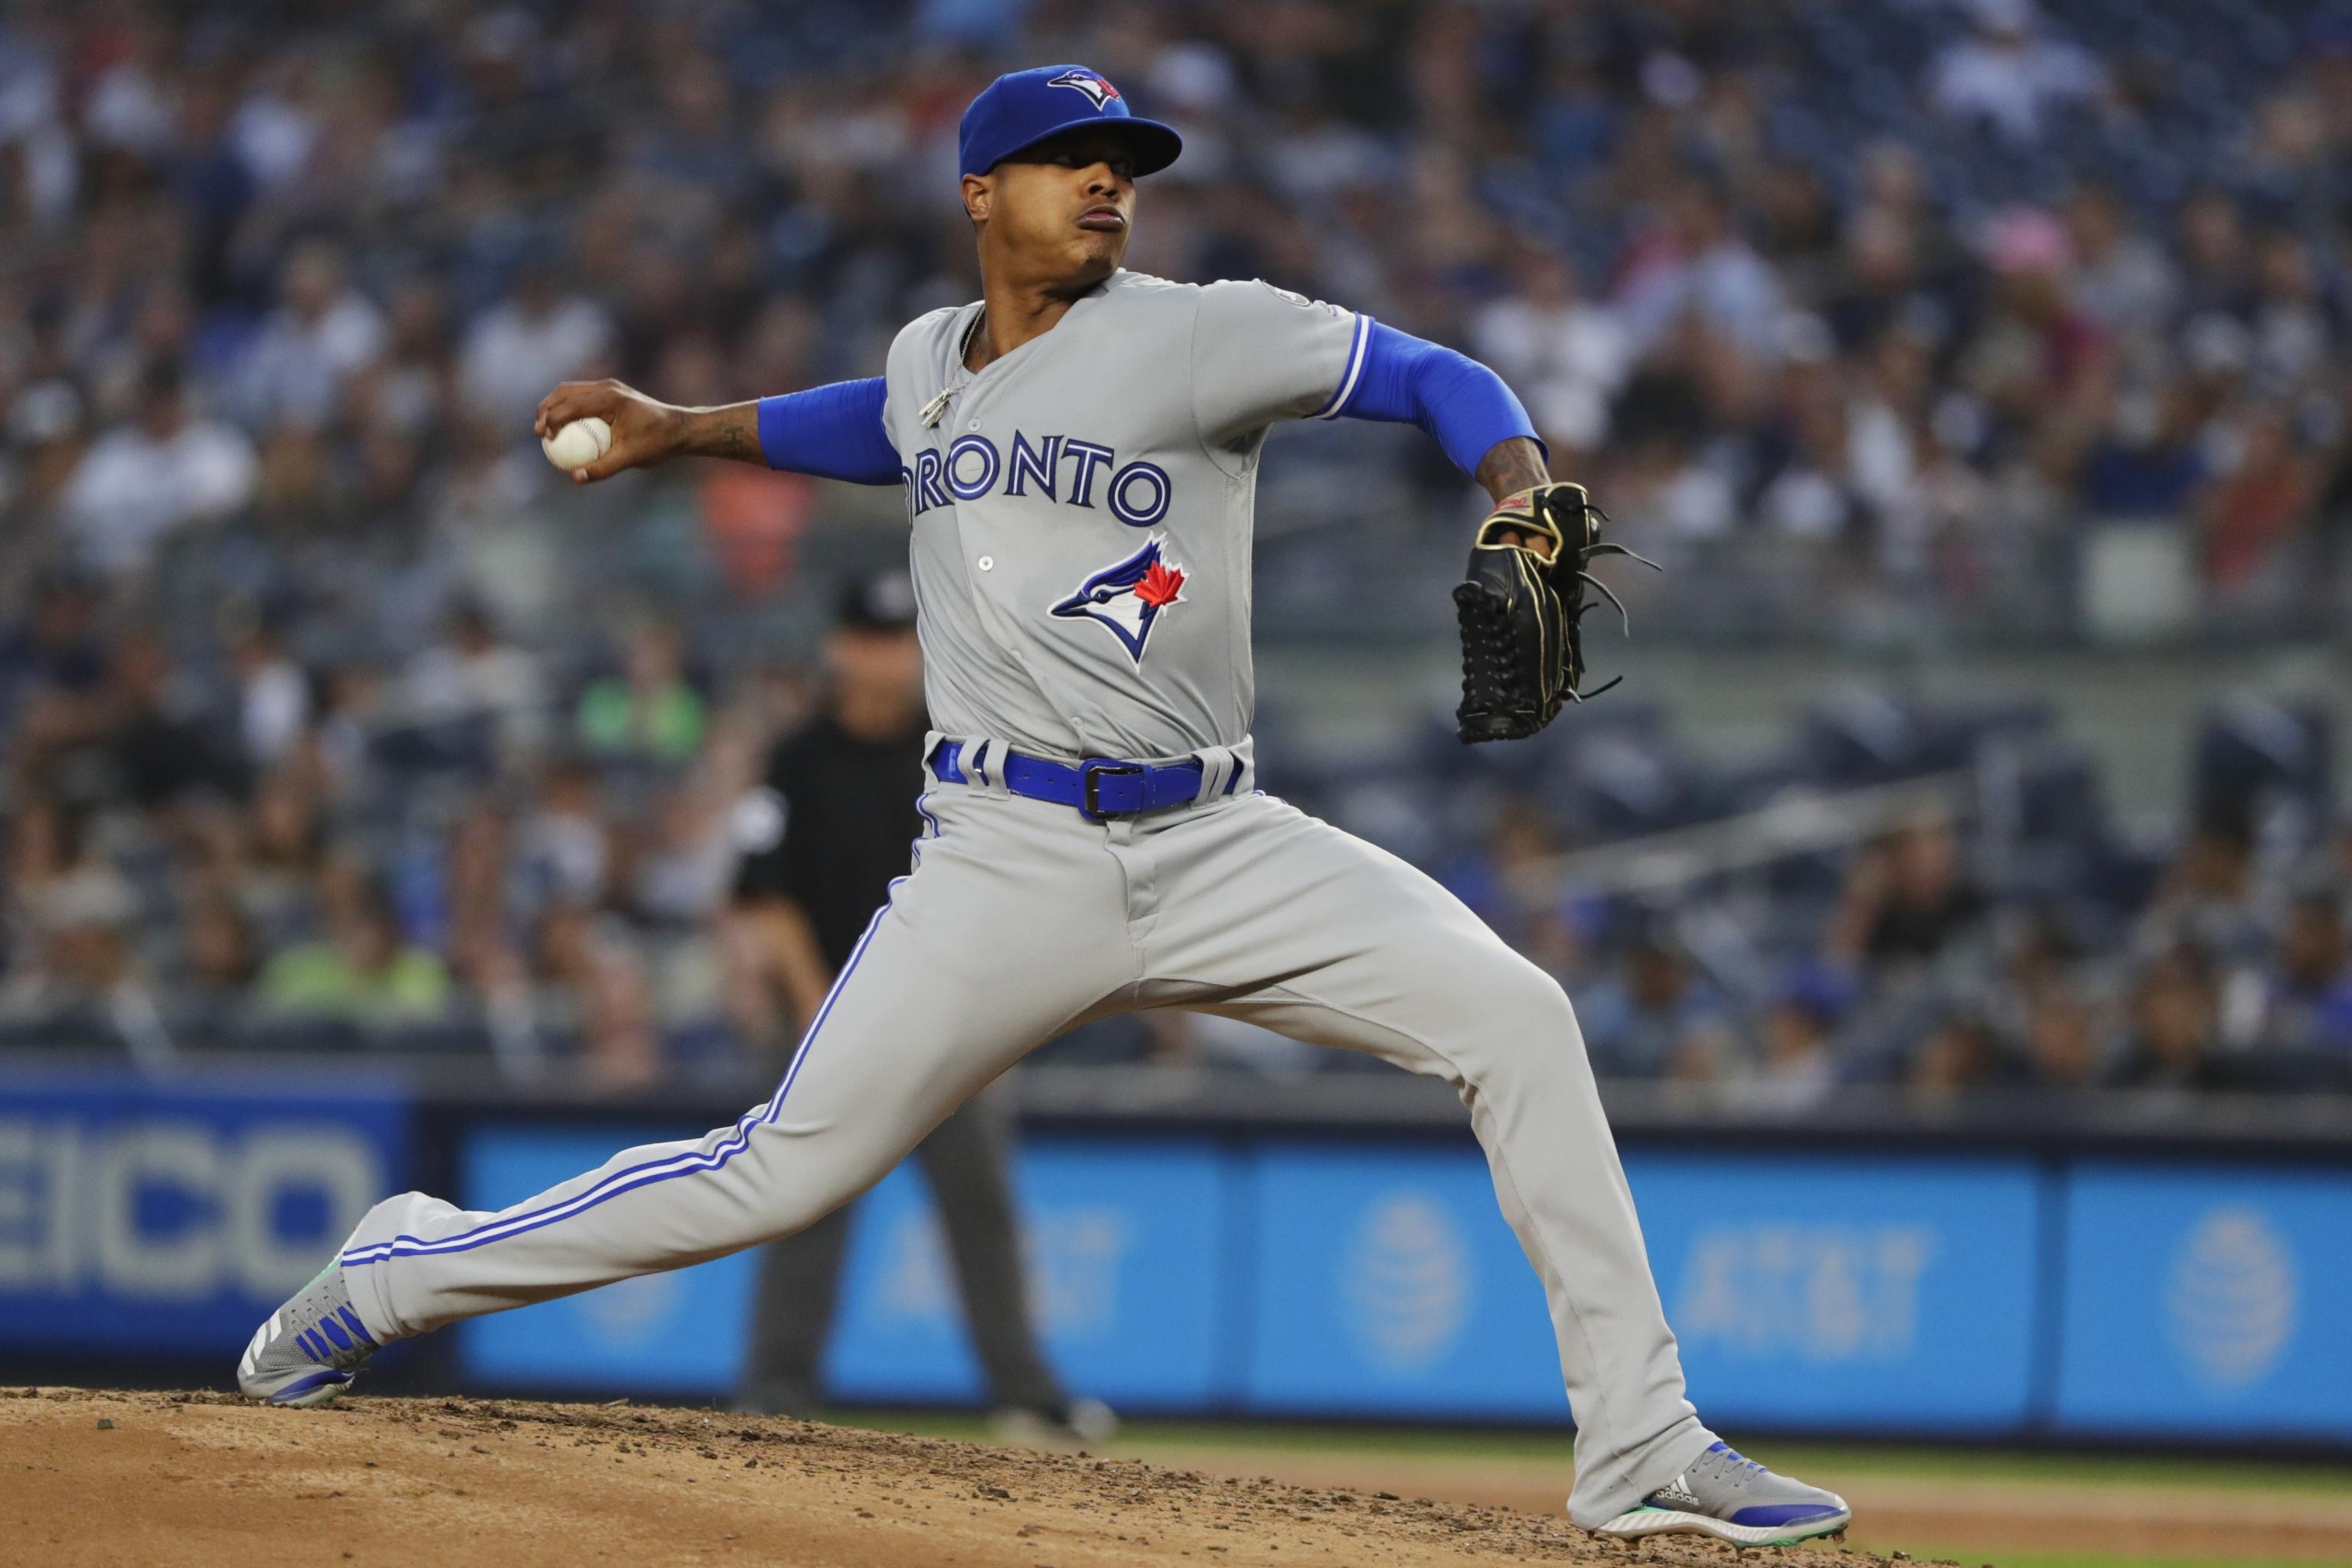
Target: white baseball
[(578, 444)]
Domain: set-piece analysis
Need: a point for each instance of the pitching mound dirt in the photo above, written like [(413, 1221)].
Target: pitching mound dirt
[(113, 1478)]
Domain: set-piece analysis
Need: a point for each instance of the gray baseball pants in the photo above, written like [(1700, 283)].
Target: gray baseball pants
[(966, 1158), (1023, 920)]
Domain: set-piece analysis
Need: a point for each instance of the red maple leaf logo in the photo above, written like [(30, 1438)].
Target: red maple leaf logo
[(1159, 585)]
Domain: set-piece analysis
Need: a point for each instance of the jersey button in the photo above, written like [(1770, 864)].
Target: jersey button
[(988, 563)]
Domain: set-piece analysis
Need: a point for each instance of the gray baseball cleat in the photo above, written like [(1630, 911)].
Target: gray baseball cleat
[(1073, 1426), (310, 1348), (1732, 1498)]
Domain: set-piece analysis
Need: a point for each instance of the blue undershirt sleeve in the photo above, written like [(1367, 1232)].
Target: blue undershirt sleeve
[(1410, 381), (834, 432)]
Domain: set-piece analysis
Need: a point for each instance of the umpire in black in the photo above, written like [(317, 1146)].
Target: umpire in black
[(822, 842)]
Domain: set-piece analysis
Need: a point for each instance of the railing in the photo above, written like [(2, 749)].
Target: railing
[(1797, 824)]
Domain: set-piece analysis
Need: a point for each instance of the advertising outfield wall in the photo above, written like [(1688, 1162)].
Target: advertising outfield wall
[(1910, 1286), (1969, 1296), (151, 1220)]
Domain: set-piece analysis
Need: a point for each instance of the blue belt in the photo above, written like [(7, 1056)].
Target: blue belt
[(1100, 787)]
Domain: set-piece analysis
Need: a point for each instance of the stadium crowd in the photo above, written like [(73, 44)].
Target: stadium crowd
[(334, 720)]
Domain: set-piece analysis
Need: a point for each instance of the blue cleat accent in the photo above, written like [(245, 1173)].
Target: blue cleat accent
[(310, 1349), (1730, 1497)]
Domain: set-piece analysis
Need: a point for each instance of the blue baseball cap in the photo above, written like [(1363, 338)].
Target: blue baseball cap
[(1021, 109)]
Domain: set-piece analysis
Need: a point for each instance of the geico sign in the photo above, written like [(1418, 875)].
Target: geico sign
[(71, 1197)]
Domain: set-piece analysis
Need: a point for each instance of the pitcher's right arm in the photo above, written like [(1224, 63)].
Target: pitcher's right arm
[(833, 432)]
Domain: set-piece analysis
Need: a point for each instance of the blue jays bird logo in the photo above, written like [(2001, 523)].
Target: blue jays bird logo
[(1126, 599), (1098, 92)]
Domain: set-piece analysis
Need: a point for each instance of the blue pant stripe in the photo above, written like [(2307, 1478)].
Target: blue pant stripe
[(636, 1177)]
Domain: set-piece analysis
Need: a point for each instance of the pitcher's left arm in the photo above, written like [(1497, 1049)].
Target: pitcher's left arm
[(1522, 655)]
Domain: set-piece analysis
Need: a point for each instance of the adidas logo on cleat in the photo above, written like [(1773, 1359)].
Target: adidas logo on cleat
[(1676, 1493)]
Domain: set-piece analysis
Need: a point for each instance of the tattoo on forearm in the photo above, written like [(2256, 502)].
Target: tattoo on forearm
[(1512, 466), (732, 431), (736, 439)]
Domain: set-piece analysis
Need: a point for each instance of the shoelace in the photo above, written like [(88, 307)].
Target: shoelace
[(1734, 1464), (330, 1332)]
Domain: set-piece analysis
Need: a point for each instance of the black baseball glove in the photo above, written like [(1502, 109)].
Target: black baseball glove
[(1522, 654)]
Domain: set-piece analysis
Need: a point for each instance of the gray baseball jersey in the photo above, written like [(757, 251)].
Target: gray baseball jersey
[(1082, 509), (1081, 514)]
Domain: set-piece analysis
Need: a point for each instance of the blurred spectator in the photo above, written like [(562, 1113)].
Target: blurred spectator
[(73, 978), (2309, 995), (2062, 1047), (649, 711), (2007, 72), (1698, 265), (516, 351), (2174, 1026), (55, 647), (273, 691), (1565, 356), (475, 680), (360, 972), (1687, 220), (2150, 462), (2216, 287), (270, 339), (59, 883), (1963, 1053), (45, 435), (322, 334), (219, 965), (408, 389), (280, 859), (563, 854), (2208, 898), (139, 736), (802, 899), (679, 874), (2252, 506), (1906, 900), (2122, 280), (143, 482), (159, 738), (1507, 883), (1797, 1065), (1655, 1018)]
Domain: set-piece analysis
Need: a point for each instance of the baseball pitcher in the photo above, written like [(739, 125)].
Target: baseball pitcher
[(1078, 451)]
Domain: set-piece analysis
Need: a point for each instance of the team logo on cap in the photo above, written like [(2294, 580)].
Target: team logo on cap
[(1098, 92), (1126, 599)]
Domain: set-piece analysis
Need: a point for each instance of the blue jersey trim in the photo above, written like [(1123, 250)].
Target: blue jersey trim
[(636, 1177)]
